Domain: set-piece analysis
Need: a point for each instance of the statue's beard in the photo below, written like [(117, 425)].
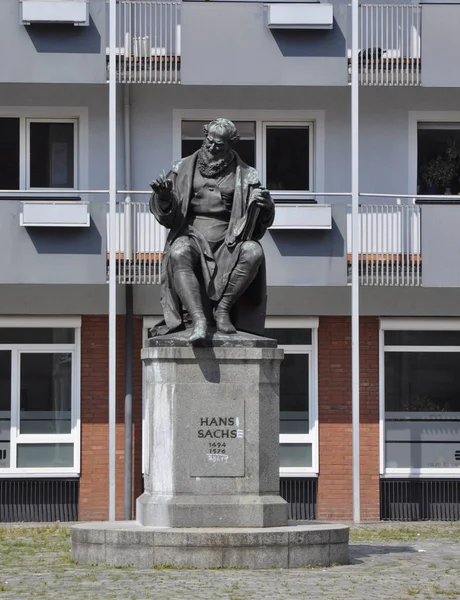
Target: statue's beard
[(209, 166)]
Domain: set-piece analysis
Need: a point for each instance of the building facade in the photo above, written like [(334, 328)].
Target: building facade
[(281, 71)]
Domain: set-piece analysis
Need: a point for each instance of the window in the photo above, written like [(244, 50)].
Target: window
[(421, 397), (298, 396), (281, 151), (438, 158), (38, 154), (39, 396)]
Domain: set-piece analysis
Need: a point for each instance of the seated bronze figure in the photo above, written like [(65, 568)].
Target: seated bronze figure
[(213, 266)]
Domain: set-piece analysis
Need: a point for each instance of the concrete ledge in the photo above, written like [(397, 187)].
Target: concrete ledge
[(188, 510), (125, 543)]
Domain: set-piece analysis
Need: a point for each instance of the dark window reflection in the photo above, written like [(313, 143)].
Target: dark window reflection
[(46, 392), (288, 156), (422, 338), (422, 381), (9, 154), (51, 155), (289, 336)]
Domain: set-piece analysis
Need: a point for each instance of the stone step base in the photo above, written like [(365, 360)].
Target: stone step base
[(125, 543)]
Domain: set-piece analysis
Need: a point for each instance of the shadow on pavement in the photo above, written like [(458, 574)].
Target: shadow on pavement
[(358, 551)]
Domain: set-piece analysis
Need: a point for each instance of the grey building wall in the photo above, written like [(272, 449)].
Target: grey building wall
[(308, 257), (230, 44), (384, 123), (52, 254), (440, 245), (47, 53), (440, 45)]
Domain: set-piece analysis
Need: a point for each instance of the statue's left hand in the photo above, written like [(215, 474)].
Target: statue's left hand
[(262, 197)]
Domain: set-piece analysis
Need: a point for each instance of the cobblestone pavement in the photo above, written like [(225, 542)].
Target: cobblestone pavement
[(35, 563)]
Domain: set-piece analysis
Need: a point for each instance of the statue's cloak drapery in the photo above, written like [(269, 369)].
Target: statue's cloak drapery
[(249, 312)]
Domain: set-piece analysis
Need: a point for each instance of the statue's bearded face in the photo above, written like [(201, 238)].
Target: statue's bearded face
[(215, 154), (216, 145)]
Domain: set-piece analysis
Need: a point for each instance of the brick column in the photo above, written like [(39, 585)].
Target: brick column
[(369, 419), (94, 417), (334, 395), (335, 484)]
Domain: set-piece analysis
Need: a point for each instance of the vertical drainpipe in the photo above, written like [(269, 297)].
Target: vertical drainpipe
[(128, 458)]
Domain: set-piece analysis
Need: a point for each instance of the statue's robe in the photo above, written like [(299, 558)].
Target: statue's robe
[(248, 314)]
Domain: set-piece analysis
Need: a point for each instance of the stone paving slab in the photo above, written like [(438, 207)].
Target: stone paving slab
[(37, 565)]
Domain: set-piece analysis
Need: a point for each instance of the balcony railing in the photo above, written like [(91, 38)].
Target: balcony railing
[(389, 42), (389, 247), (148, 41), (148, 45)]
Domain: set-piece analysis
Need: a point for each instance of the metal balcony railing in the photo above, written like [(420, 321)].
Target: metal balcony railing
[(139, 244), (389, 42), (389, 246), (148, 41)]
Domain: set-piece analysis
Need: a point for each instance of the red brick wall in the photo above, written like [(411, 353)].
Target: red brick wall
[(335, 492), (94, 416)]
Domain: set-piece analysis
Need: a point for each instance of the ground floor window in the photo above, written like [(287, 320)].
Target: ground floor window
[(420, 397), (298, 393), (39, 396)]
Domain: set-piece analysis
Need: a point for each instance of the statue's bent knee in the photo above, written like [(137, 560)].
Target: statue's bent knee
[(251, 253), (181, 250)]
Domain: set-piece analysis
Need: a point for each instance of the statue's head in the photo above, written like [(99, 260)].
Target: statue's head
[(220, 137)]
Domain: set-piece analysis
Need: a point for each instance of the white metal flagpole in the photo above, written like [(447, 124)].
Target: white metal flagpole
[(112, 250), (354, 256)]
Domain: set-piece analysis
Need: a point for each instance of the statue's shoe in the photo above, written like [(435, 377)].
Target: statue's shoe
[(223, 323), (199, 331)]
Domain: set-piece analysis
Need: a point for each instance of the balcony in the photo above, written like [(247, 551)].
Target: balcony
[(389, 42), (389, 252), (148, 42)]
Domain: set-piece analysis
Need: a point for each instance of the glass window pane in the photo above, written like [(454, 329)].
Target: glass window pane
[(52, 155), (44, 455), (288, 157), (438, 154), (9, 154), (5, 408), (442, 455), (294, 377), (193, 136), (46, 393), (422, 338), (286, 336), (37, 335), (422, 381), (295, 455)]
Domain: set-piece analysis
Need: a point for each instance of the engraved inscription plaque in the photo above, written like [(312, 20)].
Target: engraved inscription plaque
[(217, 439)]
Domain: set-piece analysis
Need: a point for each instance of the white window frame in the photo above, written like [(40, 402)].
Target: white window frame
[(415, 324), (426, 116), (15, 436), (50, 114), (311, 349), (314, 119), (75, 154)]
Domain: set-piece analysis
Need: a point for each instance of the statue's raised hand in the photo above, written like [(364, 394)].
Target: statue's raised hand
[(162, 187)]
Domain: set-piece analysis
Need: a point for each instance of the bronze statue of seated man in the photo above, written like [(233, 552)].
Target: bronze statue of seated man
[(216, 211)]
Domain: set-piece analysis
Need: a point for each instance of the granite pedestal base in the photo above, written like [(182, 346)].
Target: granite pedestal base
[(129, 543), (212, 415)]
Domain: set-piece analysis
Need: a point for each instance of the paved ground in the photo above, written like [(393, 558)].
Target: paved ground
[(389, 562)]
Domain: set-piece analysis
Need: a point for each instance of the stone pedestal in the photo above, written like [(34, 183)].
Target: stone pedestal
[(213, 427), (211, 487)]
